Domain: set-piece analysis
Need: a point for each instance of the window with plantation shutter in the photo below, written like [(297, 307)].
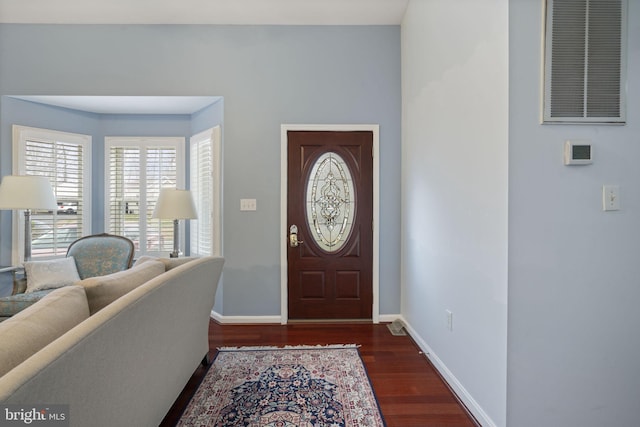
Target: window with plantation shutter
[(585, 61), (136, 169), (63, 158), (205, 180)]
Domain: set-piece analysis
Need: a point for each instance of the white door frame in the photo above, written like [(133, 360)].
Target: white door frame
[(284, 313)]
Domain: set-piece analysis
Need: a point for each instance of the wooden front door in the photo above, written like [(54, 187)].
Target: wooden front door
[(330, 224)]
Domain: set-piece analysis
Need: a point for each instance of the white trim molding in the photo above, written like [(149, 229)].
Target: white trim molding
[(389, 318), (465, 397), (264, 320), (244, 320), (375, 129)]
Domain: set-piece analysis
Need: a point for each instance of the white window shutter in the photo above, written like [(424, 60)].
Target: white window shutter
[(136, 169), (62, 157), (205, 185)]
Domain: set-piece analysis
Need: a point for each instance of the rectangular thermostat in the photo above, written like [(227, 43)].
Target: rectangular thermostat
[(578, 152)]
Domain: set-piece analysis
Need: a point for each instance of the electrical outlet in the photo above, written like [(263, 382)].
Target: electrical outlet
[(449, 320), (248, 204)]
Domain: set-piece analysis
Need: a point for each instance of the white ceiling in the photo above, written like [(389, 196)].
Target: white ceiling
[(233, 12), (127, 104)]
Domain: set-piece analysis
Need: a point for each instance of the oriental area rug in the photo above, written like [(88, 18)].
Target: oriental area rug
[(291, 387)]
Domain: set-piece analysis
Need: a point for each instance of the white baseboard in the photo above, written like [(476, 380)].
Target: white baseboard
[(462, 393), (388, 318), (383, 318), (244, 320)]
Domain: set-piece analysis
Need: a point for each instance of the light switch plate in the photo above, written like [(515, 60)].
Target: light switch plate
[(248, 205), (611, 197)]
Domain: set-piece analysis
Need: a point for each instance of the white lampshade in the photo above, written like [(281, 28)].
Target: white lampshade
[(26, 192), (175, 204)]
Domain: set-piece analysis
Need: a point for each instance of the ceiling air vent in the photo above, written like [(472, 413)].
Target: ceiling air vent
[(585, 61)]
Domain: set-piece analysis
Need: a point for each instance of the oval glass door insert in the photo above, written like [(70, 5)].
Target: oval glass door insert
[(330, 202)]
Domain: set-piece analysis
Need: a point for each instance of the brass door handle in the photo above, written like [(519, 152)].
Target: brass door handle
[(293, 237)]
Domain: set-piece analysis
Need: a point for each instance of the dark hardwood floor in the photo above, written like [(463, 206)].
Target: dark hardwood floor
[(410, 391)]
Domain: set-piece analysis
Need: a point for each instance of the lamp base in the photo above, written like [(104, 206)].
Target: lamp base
[(27, 235), (176, 240)]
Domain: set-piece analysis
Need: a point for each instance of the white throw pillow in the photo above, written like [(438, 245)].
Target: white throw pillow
[(50, 274)]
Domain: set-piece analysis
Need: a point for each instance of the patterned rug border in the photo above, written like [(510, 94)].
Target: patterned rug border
[(356, 347), (290, 347)]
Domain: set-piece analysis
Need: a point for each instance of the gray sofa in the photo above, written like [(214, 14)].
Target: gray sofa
[(115, 363)]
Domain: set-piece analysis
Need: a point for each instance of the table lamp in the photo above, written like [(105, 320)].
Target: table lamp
[(27, 192), (176, 205)]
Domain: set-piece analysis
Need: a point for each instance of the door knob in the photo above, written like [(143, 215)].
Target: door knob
[(293, 236)]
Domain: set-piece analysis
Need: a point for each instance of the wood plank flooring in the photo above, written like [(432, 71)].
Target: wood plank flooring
[(410, 391)]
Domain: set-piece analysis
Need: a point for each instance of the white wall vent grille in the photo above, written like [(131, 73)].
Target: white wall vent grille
[(585, 61)]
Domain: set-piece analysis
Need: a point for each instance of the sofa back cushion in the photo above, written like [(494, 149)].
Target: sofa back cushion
[(36, 326), (169, 263), (103, 290)]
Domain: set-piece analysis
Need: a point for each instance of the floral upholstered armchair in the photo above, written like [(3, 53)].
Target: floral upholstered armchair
[(101, 254), (95, 255)]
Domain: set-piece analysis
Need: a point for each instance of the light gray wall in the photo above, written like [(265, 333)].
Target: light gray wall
[(267, 76), (573, 342), (210, 116), (454, 193), (572, 347)]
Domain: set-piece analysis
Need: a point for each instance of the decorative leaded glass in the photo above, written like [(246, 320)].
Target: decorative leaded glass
[(330, 201)]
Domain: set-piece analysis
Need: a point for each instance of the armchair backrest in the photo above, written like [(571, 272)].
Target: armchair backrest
[(101, 254)]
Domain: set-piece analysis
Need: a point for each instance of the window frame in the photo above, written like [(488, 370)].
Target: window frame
[(211, 136), (20, 134), (143, 143)]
